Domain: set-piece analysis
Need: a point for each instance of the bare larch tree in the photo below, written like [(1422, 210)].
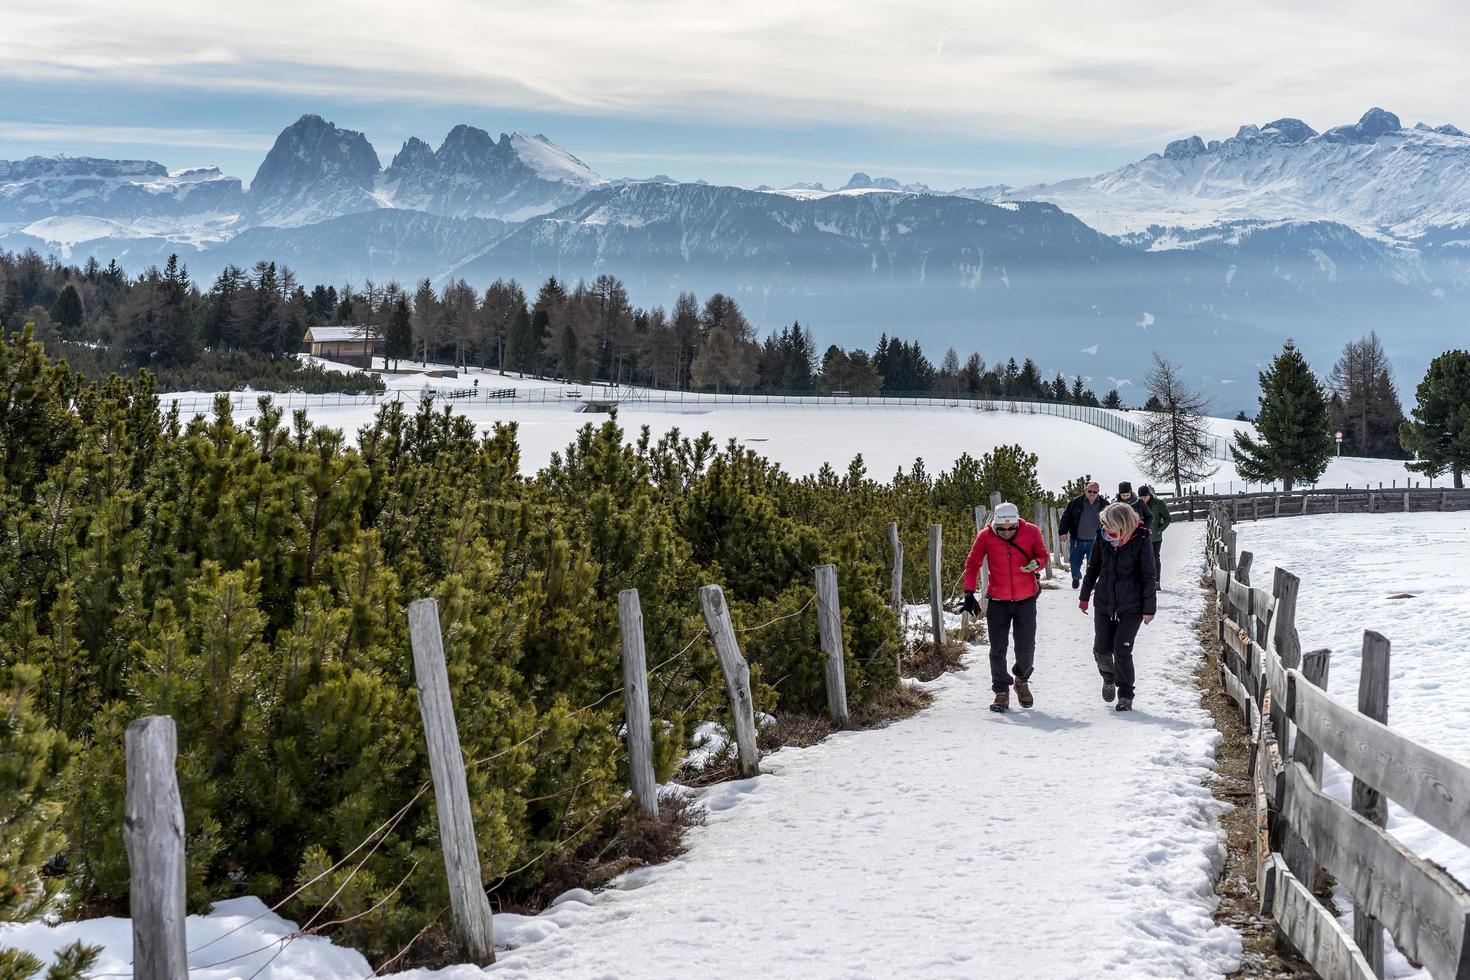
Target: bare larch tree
[(1176, 441)]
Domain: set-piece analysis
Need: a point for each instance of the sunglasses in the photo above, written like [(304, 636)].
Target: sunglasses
[(1092, 493), (1006, 527)]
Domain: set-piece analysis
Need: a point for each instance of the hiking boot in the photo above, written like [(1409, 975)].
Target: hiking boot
[(1002, 701), (1124, 704), (1023, 692), (1076, 583), (1108, 690)]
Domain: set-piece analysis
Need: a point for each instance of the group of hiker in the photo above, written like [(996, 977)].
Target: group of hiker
[(1115, 552)]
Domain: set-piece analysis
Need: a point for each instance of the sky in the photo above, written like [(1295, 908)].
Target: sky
[(946, 93)]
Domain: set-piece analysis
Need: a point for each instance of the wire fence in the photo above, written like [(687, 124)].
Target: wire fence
[(379, 834), (581, 398)]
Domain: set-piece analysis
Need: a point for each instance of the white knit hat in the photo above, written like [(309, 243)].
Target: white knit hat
[(1005, 514)]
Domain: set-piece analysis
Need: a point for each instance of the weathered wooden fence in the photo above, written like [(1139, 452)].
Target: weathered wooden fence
[(1294, 723), (1320, 500)]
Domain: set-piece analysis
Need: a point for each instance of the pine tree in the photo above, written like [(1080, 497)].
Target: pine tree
[(1295, 426), (32, 759), (1439, 435), (68, 312), (1112, 399), (398, 338)]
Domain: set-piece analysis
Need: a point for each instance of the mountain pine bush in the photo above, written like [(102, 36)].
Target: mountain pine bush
[(252, 580)]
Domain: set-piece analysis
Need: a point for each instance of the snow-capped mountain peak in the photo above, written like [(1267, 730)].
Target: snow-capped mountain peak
[(1374, 175), (549, 161), (314, 171)]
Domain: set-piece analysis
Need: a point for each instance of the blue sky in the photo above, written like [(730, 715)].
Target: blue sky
[(746, 92)]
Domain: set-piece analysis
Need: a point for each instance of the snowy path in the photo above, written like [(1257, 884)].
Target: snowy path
[(1063, 841)]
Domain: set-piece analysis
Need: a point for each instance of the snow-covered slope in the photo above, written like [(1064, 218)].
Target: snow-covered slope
[(1374, 176)]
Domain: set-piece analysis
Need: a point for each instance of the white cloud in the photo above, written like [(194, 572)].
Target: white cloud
[(56, 133), (1090, 350), (1051, 70)]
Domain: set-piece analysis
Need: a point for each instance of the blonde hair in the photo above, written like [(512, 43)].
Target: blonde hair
[(1120, 518)]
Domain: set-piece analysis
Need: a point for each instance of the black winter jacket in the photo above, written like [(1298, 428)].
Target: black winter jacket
[(1067, 523), (1125, 578)]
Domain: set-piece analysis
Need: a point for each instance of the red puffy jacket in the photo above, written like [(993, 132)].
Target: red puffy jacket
[(1007, 581)]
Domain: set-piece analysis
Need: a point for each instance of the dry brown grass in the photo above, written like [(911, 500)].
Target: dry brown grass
[(1240, 902), (629, 840), (928, 660), (890, 704)]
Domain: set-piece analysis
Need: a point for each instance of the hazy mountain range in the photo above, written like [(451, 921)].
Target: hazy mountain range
[(1210, 252)]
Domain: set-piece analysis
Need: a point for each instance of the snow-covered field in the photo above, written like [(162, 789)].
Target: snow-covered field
[(1351, 567), (1061, 841), (801, 437)]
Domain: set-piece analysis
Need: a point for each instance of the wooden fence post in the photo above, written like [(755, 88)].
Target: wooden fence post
[(1284, 640), (468, 904), (1277, 511), (1299, 858), (994, 500), (1367, 801), (896, 599), (936, 583), (1043, 524), (737, 676), (1406, 501), (153, 832), (982, 584), (635, 703), (829, 627)]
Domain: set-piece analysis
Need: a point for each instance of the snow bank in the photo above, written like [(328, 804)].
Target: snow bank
[(1351, 566)]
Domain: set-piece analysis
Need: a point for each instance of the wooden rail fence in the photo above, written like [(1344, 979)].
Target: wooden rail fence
[(1321, 500), (1294, 723)]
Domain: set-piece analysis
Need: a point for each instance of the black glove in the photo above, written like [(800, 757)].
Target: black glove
[(971, 606)]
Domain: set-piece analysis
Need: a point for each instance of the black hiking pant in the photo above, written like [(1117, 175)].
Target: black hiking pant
[(1159, 560), (1001, 616), (1112, 647)]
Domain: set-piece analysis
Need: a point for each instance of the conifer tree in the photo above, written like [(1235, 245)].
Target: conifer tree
[(398, 338), (1294, 423), (68, 312), (32, 758), (1439, 435)]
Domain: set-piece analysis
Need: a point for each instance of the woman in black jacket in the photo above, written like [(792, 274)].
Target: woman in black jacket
[(1121, 570)]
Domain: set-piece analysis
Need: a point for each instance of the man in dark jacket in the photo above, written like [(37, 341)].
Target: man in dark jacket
[(1121, 573), (1080, 522), (1159, 511), (1125, 495)]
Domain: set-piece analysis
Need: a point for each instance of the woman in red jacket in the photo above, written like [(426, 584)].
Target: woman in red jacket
[(1015, 551)]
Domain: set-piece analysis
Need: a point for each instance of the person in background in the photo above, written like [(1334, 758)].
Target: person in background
[(1161, 518), (1125, 495), (1121, 572), (1081, 521), (1015, 551)]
